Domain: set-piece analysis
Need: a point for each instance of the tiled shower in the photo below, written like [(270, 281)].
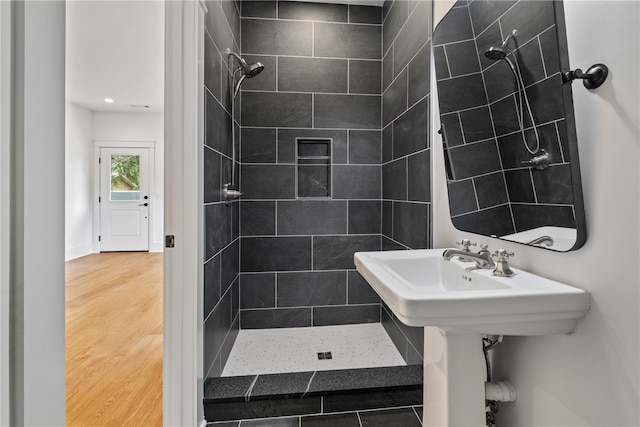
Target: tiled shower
[(333, 158)]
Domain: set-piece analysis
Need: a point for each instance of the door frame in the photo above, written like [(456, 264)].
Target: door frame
[(184, 194), (97, 146)]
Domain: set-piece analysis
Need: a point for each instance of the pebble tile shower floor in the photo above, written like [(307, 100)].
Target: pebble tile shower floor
[(268, 351)]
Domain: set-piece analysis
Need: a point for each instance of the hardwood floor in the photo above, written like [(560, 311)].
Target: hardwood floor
[(114, 340)]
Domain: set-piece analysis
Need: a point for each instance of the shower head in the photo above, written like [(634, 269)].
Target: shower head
[(249, 70), (496, 53)]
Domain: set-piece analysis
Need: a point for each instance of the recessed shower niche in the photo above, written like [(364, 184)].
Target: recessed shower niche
[(313, 167)]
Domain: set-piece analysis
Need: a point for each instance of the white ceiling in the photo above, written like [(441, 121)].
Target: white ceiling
[(115, 49)]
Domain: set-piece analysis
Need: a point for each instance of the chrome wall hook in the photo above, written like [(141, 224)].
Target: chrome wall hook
[(593, 78)]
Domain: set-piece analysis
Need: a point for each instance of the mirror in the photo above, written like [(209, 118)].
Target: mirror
[(507, 122)]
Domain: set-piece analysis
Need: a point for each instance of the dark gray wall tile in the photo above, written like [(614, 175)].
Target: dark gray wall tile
[(387, 143), (302, 217), (211, 284), (347, 111), (441, 63), (420, 75), (486, 12), (394, 180), (312, 288), (220, 30), (455, 26), (257, 290), (347, 41), (260, 254), (217, 126), (491, 190), (527, 217), (365, 77), (553, 185), (530, 62), (387, 69), (365, 14), (462, 198), (359, 291), (258, 145), (397, 16), (505, 119), (405, 417), (314, 181), (452, 129), (476, 124), (271, 109), (475, 159), (419, 177), (230, 265), (257, 218), (365, 147), (462, 58), (520, 16), (312, 75), (334, 420), (356, 182), (410, 224), (212, 185), (268, 181), (336, 252), (218, 228), (410, 130), (394, 100), (275, 318), (258, 9), (346, 315), (549, 46), (387, 219), (216, 328), (413, 35), (461, 93), (364, 216), (260, 36), (212, 67), (546, 100), (494, 221), (313, 11), (520, 186)]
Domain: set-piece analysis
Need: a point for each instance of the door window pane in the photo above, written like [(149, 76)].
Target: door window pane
[(125, 177)]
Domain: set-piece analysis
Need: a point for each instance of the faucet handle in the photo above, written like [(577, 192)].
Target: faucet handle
[(484, 249), (503, 255), (502, 266), (465, 243)]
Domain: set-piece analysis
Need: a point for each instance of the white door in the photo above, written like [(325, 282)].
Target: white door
[(124, 199)]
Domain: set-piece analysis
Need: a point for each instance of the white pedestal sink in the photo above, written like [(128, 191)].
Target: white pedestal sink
[(457, 304)]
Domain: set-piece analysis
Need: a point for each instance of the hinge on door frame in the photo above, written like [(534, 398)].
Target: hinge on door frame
[(99, 199), (99, 160), (169, 241), (99, 238)]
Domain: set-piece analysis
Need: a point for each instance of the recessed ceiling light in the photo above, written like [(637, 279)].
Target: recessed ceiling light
[(108, 100)]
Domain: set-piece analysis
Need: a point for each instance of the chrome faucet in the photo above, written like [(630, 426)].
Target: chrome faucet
[(482, 259)]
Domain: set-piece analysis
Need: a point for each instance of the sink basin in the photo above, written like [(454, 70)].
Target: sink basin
[(422, 289)]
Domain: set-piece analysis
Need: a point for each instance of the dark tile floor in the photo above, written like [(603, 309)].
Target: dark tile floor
[(396, 417)]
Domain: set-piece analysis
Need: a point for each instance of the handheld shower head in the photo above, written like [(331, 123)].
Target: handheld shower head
[(496, 53), (249, 70)]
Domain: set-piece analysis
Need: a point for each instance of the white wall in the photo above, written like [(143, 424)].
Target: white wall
[(78, 181), (108, 126), (591, 377)]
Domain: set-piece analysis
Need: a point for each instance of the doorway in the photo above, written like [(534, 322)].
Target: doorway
[(124, 189)]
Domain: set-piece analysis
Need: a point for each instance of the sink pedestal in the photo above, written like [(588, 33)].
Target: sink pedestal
[(454, 377)]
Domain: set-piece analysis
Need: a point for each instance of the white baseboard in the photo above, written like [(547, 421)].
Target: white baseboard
[(77, 251)]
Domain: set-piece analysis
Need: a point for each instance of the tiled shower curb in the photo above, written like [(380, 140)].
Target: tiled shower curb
[(308, 393)]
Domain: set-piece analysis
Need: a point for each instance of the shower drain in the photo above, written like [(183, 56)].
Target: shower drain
[(324, 355)]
